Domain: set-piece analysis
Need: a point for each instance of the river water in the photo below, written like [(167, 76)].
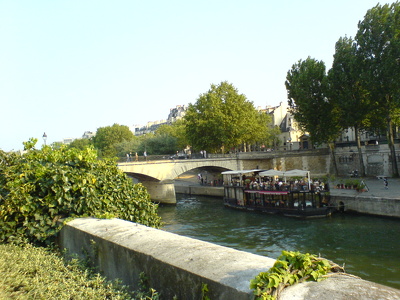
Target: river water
[(368, 247)]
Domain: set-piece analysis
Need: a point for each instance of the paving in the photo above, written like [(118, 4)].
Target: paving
[(375, 187)]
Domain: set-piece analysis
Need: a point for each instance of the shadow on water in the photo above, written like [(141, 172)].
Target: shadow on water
[(367, 246)]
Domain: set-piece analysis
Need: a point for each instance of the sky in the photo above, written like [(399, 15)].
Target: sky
[(67, 67)]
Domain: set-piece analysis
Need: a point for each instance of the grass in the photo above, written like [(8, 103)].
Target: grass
[(38, 273)]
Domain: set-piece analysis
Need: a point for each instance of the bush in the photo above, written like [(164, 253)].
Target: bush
[(42, 186)]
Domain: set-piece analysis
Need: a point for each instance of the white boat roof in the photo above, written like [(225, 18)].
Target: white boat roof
[(295, 172), (240, 172)]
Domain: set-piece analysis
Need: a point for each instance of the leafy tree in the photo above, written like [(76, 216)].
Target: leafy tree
[(160, 144), (347, 93), (378, 41), (130, 146), (177, 130), (80, 143), (107, 137), (307, 87), (222, 119), (306, 84), (42, 186)]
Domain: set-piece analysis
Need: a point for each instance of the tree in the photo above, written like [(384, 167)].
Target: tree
[(176, 130), (222, 119), (40, 187), (347, 93), (80, 143), (306, 84), (107, 137), (378, 41)]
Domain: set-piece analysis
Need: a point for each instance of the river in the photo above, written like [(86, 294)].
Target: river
[(368, 247)]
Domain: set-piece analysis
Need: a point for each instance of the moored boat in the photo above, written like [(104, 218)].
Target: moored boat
[(300, 200)]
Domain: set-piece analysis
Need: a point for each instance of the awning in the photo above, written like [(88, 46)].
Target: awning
[(290, 173), (272, 172), (240, 172)]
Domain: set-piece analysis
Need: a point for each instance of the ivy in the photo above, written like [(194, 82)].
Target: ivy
[(290, 268), (40, 187)]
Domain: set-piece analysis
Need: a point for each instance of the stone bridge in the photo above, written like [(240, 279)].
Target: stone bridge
[(158, 176)]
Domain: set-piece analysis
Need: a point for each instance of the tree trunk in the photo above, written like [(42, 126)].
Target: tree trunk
[(395, 170), (360, 155), (333, 157)]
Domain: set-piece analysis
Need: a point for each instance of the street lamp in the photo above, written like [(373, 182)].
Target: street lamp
[(44, 138)]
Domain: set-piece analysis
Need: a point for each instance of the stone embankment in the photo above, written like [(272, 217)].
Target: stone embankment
[(376, 200), (181, 266)]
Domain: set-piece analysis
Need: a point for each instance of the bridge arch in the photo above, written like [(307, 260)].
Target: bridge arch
[(158, 176)]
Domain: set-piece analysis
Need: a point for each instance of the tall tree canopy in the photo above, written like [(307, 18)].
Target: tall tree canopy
[(347, 93), (108, 137), (378, 41), (222, 119), (306, 85)]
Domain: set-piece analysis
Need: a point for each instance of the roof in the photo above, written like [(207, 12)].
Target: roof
[(293, 173), (240, 172)]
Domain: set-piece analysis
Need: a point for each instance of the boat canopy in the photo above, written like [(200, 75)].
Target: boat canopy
[(290, 173), (240, 172)]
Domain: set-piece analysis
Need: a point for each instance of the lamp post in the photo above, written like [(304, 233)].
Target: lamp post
[(44, 138)]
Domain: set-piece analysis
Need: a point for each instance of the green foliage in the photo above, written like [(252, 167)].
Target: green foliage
[(42, 186), (80, 143), (159, 144), (204, 291), (38, 273), (378, 50), (222, 119), (307, 88), (290, 268), (107, 137), (176, 130)]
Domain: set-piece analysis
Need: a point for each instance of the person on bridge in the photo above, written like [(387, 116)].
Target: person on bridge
[(136, 157)]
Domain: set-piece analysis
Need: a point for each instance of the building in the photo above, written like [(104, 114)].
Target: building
[(290, 137), (174, 114)]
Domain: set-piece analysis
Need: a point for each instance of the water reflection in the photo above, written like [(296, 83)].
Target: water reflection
[(368, 246)]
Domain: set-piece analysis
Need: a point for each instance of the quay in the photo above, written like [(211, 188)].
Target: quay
[(377, 201)]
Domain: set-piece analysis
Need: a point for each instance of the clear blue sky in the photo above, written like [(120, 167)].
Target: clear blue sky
[(71, 66)]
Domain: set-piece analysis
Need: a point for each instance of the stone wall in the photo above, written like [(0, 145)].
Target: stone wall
[(370, 205), (180, 266)]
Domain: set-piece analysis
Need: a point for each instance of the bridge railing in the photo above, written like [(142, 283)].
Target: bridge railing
[(237, 155)]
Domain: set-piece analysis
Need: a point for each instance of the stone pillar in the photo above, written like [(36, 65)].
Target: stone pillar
[(161, 191)]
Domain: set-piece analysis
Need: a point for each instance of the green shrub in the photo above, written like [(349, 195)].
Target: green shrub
[(42, 186)]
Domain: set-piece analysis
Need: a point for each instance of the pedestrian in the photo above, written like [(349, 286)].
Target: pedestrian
[(385, 183), (145, 155), (127, 157), (136, 157)]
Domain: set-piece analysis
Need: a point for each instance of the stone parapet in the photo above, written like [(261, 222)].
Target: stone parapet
[(180, 266)]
